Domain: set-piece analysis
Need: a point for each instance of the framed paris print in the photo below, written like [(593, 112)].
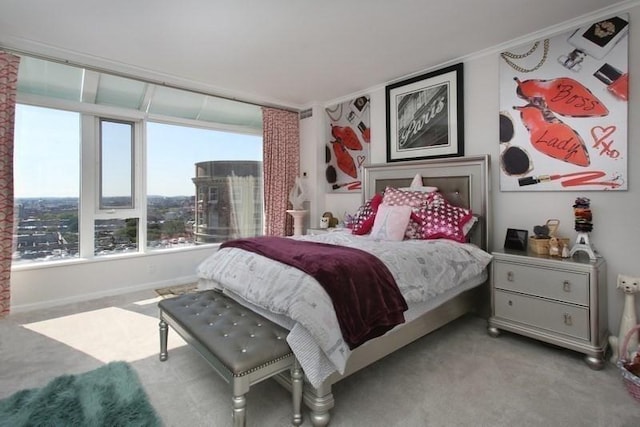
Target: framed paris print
[(425, 116)]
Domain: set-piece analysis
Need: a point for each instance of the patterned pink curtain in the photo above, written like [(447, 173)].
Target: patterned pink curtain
[(8, 82), (281, 161)]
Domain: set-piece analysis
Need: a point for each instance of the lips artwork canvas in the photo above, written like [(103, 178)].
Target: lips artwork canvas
[(348, 136), (563, 110)]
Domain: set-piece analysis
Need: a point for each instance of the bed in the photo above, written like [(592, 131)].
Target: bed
[(463, 182)]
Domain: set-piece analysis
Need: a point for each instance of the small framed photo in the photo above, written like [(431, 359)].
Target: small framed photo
[(425, 116), (516, 239)]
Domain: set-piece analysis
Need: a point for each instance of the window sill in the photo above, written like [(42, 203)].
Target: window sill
[(73, 261)]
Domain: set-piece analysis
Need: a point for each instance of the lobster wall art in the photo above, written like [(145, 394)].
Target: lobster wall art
[(563, 111), (347, 147)]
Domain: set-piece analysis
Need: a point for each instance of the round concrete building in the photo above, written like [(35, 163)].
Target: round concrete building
[(229, 200)]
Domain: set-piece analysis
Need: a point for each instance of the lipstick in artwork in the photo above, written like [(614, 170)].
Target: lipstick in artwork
[(617, 82)]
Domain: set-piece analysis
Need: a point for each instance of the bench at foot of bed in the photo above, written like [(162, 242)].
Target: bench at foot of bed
[(242, 346)]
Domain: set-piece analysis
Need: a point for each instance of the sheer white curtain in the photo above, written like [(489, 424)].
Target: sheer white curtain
[(243, 206)]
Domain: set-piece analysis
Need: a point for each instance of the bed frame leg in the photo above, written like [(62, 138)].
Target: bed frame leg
[(164, 331), (320, 419), (319, 407)]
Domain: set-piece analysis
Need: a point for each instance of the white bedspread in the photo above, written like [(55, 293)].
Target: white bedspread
[(423, 269)]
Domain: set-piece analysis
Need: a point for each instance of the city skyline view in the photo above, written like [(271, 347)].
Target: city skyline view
[(172, 152)]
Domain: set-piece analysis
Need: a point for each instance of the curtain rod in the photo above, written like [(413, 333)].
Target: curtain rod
[(134, 77)]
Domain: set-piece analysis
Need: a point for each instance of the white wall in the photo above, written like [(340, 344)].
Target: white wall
[(60, 283), (616, 214), (311, 154)]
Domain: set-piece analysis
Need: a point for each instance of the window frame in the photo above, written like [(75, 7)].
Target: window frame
[(132, 181), (90, 171), (88, 204)]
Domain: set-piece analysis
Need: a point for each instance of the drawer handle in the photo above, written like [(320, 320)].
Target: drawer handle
[(510, 276), (510, 302), (566, 286), (568, 320)]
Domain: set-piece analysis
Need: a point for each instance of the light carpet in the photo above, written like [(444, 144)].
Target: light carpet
[(455, 376), (108, 334)]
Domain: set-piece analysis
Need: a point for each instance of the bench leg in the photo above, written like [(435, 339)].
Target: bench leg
[(164, 331), (296, 392), (239, 411)]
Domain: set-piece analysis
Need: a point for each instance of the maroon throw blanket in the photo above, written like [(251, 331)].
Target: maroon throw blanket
[(365, 296)]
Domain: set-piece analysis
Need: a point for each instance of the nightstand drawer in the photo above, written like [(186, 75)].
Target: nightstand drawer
[(553, 316), (568, 286)]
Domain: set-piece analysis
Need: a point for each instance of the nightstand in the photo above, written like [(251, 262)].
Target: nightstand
[(559, 301)]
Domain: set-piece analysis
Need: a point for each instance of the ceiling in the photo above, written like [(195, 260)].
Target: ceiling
[(290, 53)]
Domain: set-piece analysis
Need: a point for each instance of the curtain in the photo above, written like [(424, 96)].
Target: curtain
[(243, 206), (281, 161), (8, 83)]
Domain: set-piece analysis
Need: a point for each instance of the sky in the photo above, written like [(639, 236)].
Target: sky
[(47, 147)]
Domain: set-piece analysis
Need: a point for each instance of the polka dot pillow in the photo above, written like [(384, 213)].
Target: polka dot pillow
[(418, 200), (441, 220), (420, 215), (366, 215)]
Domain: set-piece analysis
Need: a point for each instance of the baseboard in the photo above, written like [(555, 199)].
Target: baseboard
[(102, 294)]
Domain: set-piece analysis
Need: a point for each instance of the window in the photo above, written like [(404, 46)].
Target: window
[(218, 167), (106, 165), (46, 183), (116, 164), (113, 236), (224, 169)]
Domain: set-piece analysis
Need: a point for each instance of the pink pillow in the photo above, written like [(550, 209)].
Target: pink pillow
[(443, 220), (420, 215), (366, 214), (418, 200), (391, 222), (397, 197)]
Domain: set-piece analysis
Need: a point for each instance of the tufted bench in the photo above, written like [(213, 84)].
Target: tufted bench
[(242, 346)]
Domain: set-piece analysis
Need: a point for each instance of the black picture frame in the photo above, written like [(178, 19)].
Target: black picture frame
[(425, 116), (516, 239)]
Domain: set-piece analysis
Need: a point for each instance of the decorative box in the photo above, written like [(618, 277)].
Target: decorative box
[(540, 245)]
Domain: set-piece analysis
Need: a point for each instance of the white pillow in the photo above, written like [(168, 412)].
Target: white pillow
[(416, 185), (423, 188), (468, 226), (391, 222), (417, 181)]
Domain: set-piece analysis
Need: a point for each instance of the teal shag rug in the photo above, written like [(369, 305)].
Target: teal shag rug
[(108, 396)]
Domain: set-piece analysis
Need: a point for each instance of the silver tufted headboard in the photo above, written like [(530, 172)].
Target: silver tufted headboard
[(464, 181)]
